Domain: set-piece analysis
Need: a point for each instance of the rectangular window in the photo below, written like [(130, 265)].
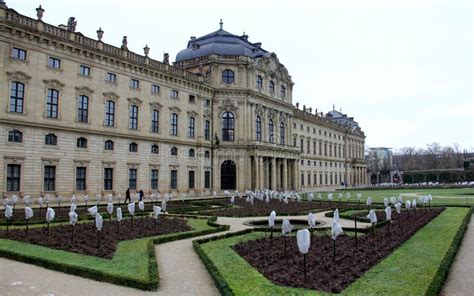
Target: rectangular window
[(154, 179), (54, 62), (309, 179), (18, 53), (302, 179), (191, 127), (191, 179), (315, 179), (207, 103), (174, 94), (174, 124), (192, 99), (83, 109), (207, 130), (308, 147), (13, 177), (301, 145), (174, 179), (134, 83), (109, 113), (294, 142), (207, 179), (17, 94), (320, 149), (155, 89), (49, 178), (133, 124), (132, 179), (81, 178), (320, 179), (52, 103), (108, 178), (155, 119), (84, 70), (111, 77)]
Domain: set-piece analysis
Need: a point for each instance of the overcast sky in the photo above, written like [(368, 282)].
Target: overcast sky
[(402, 68)]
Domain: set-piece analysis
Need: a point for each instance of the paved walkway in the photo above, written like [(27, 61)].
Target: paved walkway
[(176, 261), (459, 281)]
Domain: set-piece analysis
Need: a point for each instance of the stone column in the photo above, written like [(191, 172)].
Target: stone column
[(295, 174), (255, 173), (285, 174), (274, 173), (260, 172)]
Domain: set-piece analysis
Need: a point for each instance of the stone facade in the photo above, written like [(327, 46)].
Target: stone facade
[(81, 116)]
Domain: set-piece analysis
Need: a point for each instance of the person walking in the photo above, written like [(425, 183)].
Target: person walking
[(141, 195), (127, 196)]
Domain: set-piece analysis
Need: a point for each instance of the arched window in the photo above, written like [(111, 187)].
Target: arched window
[(155, 149), (17, 95), (228, 76), (81, 142), (271, 87), (270, 131), (133, 147), (282, 133), (283, 91), (109, 145), (191, 125), (174, 151), (52, 103), (174, 124), (207, 154), (258, 128), (191, 152), (51, 139), (15, 136), (133, 124), (259, 81), (155, 119), (228, 124), (83, 108)]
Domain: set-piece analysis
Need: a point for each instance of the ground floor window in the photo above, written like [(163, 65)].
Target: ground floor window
[(302, 179), (207, 179), (13, 177), (154, 179), (108, 178), (174, 179), (81, 178), (132, 179), (49, 178), (191, 179)]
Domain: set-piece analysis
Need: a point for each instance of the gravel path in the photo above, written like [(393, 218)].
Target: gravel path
[(180, 269), (459, 281)]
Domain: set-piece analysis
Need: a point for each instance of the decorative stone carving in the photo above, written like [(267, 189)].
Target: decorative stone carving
[(175, 109), (124, 43), (100, 34), (156, 105), (228, 105), (192, 114), (271, 65), (53, 83), (39, 13), (84, 90), (71, 24), (111, 96), (134, 101), (271, 113), (207, 113), (166, 58), (18, 76), (259, 109), (146, 50)]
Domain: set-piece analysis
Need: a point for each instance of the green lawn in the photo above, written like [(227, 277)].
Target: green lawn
[(455, 196), (416, 268), (133, 264)]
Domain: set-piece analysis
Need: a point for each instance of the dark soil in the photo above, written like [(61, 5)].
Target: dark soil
[(323, 273), (85, 235), (262, 208)]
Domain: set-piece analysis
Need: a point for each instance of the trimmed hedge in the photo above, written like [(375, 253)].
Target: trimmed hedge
[(91, 271), (378, 280)]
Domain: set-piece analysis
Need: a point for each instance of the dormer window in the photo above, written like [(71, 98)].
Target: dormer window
[(259, 81), (271, 87)]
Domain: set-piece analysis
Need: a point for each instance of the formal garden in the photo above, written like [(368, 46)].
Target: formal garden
[(374, 241)]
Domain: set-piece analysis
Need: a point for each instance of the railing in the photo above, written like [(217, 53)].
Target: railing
[(94, 44)]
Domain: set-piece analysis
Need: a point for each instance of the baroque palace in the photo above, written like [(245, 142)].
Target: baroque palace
[(82, 116)]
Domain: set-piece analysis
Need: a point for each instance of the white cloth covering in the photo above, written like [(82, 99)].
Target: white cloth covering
[(119, 214), (398, 206), (8, 211), (311, 220), (98, 222), (304, 240), (110, 208), (141, 205), (73, 218), (50, 215), (286, 227), (336, 230), (131, 208), (163, 206), (336, 216), (271, 219), (388, 213), (28, 213), (372, 216), (156, 211), (72, 208), (92, 211), (369, 201)]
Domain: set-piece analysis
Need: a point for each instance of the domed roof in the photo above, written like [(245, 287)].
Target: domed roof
[(222, 43)]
